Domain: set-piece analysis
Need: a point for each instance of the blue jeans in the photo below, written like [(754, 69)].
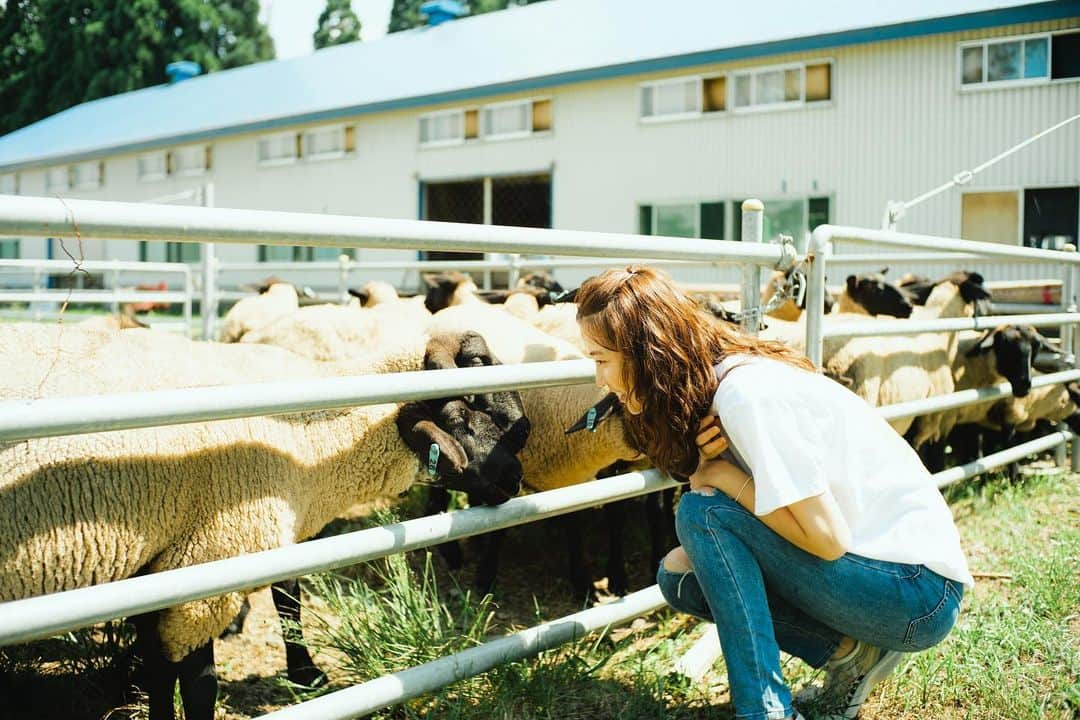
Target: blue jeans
[(766, 595)]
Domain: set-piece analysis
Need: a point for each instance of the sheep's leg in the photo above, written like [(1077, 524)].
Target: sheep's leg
[(301, 668), (580, 580), (488, 566), (437, 502), (157, 675), (198, 683), (615, 515), (237, 625), (660, 516), (932, 453)]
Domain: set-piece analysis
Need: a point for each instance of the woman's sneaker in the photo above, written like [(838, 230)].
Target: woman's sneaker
[(849, 680)]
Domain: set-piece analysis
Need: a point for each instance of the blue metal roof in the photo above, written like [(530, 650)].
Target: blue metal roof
[(534, 46)]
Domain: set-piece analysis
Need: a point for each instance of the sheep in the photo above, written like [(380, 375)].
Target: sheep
[(551, 459), (80, 510), (448, 289), (891, 369), (789, 310), (121, 321), (1002, 354), (253, 313)]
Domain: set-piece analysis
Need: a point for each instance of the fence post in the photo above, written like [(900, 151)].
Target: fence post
[(114, 282), (515, 271), (188, 292), (343, 278), (753, 212), (1069, 338), (815, 294)]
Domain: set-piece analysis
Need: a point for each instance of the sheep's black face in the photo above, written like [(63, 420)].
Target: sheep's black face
[(1015, 349), (878, 296), (440, 288), (493, 473)]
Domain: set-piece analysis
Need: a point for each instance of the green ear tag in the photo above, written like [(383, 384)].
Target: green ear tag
[(432, 459), (590, 420)]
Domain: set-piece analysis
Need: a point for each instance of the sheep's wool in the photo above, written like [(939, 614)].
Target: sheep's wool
[(85, 509)]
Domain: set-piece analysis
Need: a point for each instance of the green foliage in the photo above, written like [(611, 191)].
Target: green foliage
[(59, 53), (338, 24)]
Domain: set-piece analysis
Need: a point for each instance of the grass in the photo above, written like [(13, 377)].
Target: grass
[(1014, 653)]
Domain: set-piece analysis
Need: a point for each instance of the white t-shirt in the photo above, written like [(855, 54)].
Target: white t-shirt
[(802, 433)]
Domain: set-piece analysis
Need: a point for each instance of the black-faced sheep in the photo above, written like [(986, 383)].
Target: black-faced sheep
[(87, 509)]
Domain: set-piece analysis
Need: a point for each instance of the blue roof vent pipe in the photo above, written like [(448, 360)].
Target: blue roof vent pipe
[(182, 70), (440, 11)]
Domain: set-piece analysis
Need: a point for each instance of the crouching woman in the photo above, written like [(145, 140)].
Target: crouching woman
[(831, 542)]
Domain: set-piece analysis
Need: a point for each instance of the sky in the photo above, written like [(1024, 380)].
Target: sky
[(292, 22)]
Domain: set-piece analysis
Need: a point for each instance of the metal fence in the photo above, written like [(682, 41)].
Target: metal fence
[(43, 302), (22, 419)]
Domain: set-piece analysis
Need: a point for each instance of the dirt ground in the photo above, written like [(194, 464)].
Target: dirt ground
[(251, 666)]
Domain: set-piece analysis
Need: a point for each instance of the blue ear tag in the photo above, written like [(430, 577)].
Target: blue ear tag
[(432, 459), (590, 420)]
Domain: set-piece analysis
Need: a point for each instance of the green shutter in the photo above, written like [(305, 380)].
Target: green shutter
[(645, 219), (712, 220)]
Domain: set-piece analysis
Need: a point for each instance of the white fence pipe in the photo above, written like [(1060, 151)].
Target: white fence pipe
[(753, 220), (832, 233), (50, 217), (23, 419), (103, 297), (819, 256), (996, 460), (885, 259), (366, 698), (47, 615), (974, 396), (94, 265), (870, 328)]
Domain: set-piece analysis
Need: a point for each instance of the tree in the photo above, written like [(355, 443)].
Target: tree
[(59, 53), (338, 24)]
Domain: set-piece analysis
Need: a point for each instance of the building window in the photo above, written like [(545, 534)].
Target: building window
[(693, 220), (782, 86), (153, 166), (325, 143), (88, 175), (301, 253), (193, 160), (444, 128), (9, 184), (1020, 60), (278, 149), (56, 179), (671, 98), (506, 120)]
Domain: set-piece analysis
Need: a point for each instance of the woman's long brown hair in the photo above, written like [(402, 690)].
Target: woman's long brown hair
[(669, 346)]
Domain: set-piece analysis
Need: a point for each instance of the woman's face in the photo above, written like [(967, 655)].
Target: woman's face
[(609, 373)]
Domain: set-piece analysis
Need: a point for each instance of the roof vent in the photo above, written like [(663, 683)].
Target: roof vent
[(182, 70), (440, 11)]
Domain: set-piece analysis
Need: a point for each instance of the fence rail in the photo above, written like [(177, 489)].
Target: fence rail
[(42, 616)]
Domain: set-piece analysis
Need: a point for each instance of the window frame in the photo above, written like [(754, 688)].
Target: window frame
[(14, 176), (152, 177), (277, 161), (441, 113), (331, 155), (986, 84), (50, 187), (485, 134), (173, 166), (753, 72), (674, 117), (96, 184)]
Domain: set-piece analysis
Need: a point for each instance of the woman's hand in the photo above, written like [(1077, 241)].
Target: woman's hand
[(710, 441)]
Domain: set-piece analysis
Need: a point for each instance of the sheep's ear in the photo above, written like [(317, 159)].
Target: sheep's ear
[(884, 271), (598, 413), (363, 295), (852, 283), (420, 433), (984, 343)]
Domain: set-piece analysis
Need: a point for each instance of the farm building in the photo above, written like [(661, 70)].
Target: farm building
[(639, 117)]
